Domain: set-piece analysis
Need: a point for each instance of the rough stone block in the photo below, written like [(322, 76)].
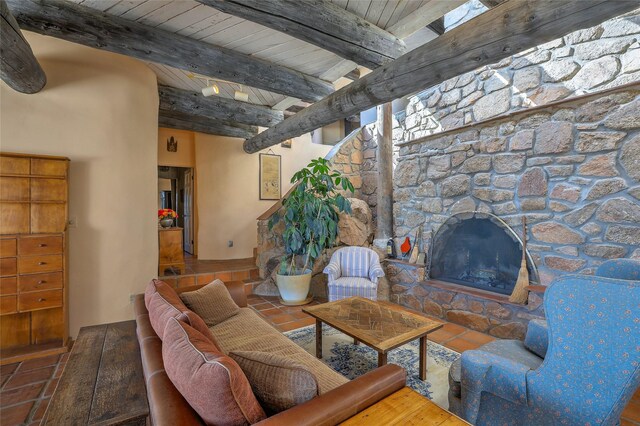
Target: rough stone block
[(533, 182), (600, 165), (564, 264), (598, 141), (563, 191), (553, 137), (469, 320), (455, 185), (552, 232), (522, 140), (617, 210), (508, 163)]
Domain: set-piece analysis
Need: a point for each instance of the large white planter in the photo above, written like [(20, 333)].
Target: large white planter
[(294, 289)]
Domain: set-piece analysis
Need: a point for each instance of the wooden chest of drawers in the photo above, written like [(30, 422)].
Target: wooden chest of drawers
[(33, 218)]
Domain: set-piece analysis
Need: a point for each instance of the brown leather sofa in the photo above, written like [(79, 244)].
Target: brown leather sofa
[(168, 407)]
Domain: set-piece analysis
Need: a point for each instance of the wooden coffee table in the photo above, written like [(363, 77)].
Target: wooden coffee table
[(380, 325)]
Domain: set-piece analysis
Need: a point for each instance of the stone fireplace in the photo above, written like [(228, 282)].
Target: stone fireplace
[(572, 168), (477, 250)]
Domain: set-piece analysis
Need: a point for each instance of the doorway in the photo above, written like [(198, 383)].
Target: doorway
[(176, 192)]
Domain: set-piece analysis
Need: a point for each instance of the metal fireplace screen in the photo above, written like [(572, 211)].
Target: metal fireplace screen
[(477, 250)]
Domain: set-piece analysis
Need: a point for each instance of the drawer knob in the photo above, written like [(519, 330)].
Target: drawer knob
[(42, 263), (42, 299), (43, 245), (42, 282)]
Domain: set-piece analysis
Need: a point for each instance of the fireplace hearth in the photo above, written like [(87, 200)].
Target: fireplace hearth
[(477, 250)]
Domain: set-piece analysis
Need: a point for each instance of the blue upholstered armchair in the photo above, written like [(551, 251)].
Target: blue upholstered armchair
[(353, 271), (622, 269), (591, 367)]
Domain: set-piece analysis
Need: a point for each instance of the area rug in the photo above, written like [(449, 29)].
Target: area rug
[(352, 361)]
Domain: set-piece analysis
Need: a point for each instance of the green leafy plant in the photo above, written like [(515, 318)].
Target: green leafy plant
[(311, 214)]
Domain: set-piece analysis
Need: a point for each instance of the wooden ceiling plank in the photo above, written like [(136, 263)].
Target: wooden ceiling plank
[(67, 21), (507, 29), (193, 16), (321, 23), (202, 126), (216, 107), (426, 14), (19, 67)]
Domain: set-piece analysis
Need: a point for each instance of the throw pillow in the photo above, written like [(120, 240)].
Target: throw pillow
[(163, 303), (211, 382), (278, 382), (212, 302)]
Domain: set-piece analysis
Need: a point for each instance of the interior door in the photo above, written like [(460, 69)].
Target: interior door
[(188, 211)]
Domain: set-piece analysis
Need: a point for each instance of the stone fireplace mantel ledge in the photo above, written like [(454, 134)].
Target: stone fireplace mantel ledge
[(402, 262)]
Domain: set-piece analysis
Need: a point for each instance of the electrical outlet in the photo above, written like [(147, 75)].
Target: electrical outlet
[(132, 298), (73, 222), (230, 243)]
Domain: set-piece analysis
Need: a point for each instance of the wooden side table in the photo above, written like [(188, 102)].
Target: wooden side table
[(102, 383), (171, 252), (405, 407)]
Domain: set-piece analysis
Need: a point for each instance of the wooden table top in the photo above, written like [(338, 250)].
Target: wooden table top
[(381, 325), (102, 383), (405, 407)]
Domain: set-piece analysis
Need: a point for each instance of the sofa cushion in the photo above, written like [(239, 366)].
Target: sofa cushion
[(212, 302), (257, 335), (278, 382), (211, 382)]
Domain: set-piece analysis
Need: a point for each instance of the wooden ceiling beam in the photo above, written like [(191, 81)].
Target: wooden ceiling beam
[(182, 121), (500, 32), (217, 107), (19, 68), (321, 23), (90, 27)]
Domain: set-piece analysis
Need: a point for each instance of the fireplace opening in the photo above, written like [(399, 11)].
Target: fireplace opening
[(477, 250)]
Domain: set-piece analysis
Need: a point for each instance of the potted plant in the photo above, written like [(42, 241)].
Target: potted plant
[(310, 215), (166, 217)]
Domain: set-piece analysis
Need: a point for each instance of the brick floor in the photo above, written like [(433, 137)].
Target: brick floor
[(27, 387)]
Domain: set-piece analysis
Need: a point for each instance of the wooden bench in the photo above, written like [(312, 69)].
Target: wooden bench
[(102, 382)]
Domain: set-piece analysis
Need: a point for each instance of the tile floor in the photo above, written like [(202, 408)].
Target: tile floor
[(26, 387)]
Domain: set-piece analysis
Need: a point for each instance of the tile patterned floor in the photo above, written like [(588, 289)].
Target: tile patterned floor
[(25, 388)]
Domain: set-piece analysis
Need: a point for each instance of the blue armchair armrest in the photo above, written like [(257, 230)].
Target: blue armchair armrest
[(537, 338), (485, 372)]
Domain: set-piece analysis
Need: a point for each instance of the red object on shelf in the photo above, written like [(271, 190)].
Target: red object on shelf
[(405, 247)]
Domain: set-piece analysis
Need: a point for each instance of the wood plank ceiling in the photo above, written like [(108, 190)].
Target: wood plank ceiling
[(198, 21)]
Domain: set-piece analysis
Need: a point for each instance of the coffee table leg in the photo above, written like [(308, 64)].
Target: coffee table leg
[(355, 341), (423, 358), (318, 338), (382, 359)]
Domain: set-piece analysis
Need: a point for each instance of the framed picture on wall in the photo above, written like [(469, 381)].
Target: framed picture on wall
[(270, 177)]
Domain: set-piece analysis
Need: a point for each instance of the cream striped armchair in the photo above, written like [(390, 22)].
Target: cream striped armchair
[(353, 271)]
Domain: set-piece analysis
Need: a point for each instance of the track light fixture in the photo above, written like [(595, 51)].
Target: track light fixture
[(210, 90)]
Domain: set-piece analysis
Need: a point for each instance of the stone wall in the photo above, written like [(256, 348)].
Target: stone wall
[(594, 59), (572, 168)]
